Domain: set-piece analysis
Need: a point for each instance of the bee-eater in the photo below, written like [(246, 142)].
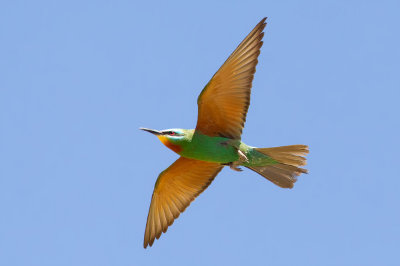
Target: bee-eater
[(216, 142)]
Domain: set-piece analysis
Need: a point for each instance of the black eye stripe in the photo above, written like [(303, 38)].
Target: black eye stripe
[(171, 133)]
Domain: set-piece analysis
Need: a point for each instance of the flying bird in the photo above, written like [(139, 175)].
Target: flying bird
[(216, 142)]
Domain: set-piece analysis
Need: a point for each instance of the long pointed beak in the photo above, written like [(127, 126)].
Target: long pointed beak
[(152, 131)]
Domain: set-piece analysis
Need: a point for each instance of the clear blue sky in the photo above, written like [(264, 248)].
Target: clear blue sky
[(78, 78)]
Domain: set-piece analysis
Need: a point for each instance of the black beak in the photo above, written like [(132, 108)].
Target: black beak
[(152, 131)]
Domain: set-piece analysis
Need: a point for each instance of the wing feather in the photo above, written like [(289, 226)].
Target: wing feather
[(175, 189), (224, 101)]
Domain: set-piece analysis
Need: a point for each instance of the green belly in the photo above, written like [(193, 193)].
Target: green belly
[(211, 149), (223, 150)]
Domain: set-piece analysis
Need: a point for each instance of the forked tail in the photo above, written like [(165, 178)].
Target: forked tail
[(284, 173)]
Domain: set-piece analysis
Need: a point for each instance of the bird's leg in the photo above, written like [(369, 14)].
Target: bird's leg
[(233, 166), (242, 156)]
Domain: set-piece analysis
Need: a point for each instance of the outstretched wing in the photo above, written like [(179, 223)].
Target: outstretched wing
[(175, 188), (224, 101)]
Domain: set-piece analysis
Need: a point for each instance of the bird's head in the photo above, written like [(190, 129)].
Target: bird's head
[(172, 138)]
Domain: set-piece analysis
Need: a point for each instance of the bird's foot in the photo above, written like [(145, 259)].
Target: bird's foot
[(233, 166)]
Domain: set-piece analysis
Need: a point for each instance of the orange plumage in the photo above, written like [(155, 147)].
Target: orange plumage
[(166, 142)]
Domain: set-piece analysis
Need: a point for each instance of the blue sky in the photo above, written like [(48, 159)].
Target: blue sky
[(79, 78)]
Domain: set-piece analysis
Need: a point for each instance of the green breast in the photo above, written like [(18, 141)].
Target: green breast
[(211, 149)]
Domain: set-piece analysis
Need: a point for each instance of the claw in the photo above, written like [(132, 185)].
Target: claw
[(235, 168)]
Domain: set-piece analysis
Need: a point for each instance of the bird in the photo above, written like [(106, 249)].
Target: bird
[(216, 142)]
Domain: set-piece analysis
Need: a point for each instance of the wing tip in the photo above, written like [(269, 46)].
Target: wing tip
[(263, 22)]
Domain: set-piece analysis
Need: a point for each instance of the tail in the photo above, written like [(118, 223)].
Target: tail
[(283, 174)]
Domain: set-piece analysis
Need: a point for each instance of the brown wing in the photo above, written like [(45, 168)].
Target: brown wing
[(175, 188), (224, 101)]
